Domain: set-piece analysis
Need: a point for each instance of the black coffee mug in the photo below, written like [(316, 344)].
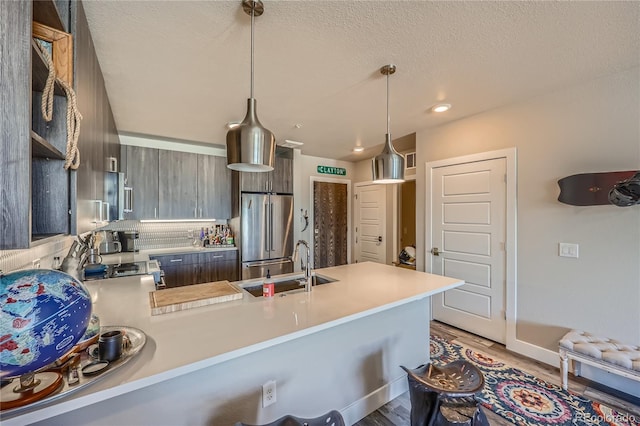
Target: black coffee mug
[(110, 345)]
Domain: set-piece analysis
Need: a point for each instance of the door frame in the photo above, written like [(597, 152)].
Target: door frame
[(312, 218), (511, 248), (394, 219)]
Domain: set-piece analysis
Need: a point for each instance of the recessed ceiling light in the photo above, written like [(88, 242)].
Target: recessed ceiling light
[(358, 149), (298, 126), (441, 107)]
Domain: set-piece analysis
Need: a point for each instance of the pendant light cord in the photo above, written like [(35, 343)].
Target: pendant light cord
[(388, 117), (253, 10)]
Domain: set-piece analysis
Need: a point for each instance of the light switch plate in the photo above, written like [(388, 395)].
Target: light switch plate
[(568, 250)]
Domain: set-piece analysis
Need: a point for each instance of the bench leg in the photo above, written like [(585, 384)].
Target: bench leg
[(576, 368), (564, 369)]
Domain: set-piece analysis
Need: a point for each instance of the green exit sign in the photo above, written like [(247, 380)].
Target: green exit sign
[(327, 170)]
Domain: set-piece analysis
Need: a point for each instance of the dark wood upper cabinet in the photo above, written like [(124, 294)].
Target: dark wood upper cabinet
[(142, 174), (279, 180), (178, 185), (282, 174), (214, 183)]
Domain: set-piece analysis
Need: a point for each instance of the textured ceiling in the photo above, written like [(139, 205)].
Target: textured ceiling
[(181, 69)]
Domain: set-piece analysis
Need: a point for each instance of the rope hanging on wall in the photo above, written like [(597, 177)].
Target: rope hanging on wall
[(72, 156)]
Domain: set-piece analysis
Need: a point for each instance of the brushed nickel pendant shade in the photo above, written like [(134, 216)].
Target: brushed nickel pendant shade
[(250, 146), (388, 166)]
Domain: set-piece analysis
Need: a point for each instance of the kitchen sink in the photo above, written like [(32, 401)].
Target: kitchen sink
[(289, 284)]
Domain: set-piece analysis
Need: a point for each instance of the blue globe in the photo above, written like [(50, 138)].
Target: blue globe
[(43, 313)]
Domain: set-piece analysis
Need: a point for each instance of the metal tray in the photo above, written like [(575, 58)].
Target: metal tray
[(137, 340)]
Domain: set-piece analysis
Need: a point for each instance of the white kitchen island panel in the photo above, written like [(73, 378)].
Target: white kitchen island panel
[(338, 347), (353, 363)]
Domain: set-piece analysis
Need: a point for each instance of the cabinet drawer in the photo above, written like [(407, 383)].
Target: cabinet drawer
[(167, 261), (218, 256)]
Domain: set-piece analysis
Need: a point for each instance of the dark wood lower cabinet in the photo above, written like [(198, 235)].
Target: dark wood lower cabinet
[(181, 275), (218, 266), (187, 269)]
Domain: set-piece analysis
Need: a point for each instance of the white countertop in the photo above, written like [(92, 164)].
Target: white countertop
[(186, 341)]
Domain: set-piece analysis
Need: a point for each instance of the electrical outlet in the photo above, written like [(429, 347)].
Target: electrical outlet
[(268, 393), (36, 263)]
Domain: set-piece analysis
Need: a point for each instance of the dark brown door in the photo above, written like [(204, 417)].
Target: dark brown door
[(330, 217), (408, 214)]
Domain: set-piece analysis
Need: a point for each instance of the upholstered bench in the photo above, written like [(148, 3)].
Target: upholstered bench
[(601, 352)]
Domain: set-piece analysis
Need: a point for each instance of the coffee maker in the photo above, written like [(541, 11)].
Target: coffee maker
[(127, 240), (110, 242)]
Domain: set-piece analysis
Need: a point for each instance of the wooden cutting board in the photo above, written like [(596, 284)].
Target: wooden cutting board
[(192, 296)]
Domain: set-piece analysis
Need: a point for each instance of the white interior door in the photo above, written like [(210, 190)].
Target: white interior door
[(468, 228), (370, 228)]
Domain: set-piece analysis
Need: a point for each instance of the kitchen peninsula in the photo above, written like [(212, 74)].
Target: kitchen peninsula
[(337, 347)]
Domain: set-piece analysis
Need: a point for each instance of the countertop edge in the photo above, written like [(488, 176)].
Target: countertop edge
[(85, 398), (62, 406)]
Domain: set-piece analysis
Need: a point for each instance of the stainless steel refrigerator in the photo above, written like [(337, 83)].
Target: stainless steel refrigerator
[(266, 229)]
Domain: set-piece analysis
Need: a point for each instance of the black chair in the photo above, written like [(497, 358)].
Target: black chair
[(332, 418), (443, 396)]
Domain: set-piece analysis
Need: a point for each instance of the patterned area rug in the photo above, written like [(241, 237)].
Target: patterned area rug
[(524, 399)]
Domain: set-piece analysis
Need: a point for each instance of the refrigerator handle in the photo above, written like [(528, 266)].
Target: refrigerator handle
[(267, 220), (271, 226)]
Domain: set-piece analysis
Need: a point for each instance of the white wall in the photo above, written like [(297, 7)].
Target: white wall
[(590, 127), (305, 167)]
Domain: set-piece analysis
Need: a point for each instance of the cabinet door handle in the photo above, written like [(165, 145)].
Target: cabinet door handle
[(128, 200), (218, 256), (195, 212), (175, 260), (97, 211), (200, 211), (155, 212), (105, 210)]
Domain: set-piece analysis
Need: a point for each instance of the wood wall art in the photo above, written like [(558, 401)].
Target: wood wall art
[(61, 50)]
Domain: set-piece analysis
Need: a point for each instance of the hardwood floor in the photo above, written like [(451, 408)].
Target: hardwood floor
[(396, 412)]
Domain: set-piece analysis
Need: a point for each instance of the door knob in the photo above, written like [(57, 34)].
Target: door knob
[(435, 251)]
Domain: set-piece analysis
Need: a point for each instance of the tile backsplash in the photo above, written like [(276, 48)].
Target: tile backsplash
[(39, 256), (158, 235), (152, 235)]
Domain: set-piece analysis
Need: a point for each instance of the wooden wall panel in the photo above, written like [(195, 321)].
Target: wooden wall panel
[(15, 122)]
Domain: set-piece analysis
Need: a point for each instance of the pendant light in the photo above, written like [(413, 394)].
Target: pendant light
[(250, 146), (388, 166)]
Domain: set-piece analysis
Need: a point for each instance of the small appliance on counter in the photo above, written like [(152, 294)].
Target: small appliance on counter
[(110, 243), (127, 240)]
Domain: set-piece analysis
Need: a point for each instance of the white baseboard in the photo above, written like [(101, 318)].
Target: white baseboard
[(376, 399)]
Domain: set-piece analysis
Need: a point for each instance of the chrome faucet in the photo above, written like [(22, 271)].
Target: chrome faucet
[(307, 267)]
